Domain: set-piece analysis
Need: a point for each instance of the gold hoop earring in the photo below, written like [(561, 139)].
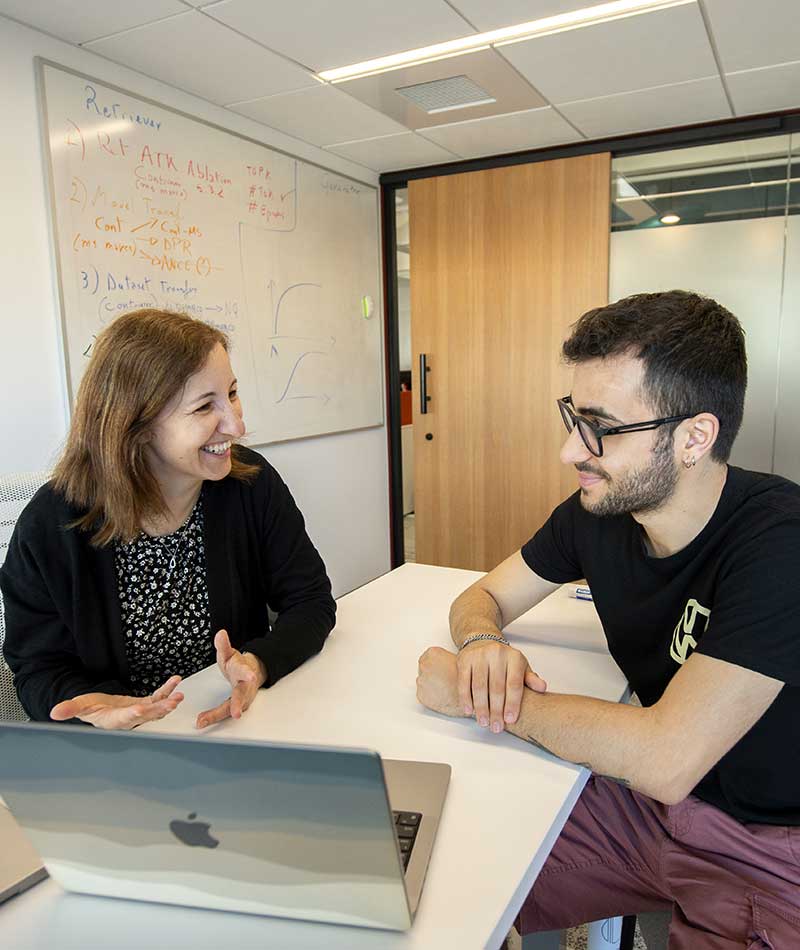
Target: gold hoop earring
[(689, 462)]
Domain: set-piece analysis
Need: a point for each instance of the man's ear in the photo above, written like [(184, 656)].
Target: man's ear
[(700, 435)]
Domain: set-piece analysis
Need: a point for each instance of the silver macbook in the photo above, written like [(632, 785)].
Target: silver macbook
[(20, 865), (305, 832)]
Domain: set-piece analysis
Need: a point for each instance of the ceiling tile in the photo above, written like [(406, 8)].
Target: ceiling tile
[(394, 152), (535, 128), (322, 35), (202, 56), (765, 90), (485, 68), (662, 107), (321, 115), (78, 21), (751, 34), (493, 16), (650, 49)]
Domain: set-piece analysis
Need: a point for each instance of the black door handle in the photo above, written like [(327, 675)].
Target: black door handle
[(424, 369)]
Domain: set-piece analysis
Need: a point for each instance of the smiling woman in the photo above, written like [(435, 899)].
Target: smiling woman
[(160, 544)]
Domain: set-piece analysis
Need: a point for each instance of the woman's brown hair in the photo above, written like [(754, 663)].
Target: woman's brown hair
[(138, 364)]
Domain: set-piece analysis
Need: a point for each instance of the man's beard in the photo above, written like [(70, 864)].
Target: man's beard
[(637, 492)]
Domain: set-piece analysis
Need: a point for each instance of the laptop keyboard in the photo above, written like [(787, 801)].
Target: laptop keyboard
[(406, 826)]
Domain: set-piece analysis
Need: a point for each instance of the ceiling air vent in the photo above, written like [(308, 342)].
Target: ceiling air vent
[(442, 95)]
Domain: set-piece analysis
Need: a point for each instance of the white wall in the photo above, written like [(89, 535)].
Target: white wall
[(740, 264), (340, 482)]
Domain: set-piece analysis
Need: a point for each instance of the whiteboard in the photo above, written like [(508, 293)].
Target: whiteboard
[(153, 208)]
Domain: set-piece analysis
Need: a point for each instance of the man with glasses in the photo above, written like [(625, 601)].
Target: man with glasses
[(694, 800)]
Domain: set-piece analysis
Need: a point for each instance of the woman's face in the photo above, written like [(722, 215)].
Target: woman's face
[(191, 438)]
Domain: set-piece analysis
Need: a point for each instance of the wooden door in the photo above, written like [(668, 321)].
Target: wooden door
[(502, 262)]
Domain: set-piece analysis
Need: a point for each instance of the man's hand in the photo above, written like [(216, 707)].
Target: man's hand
[(491, 680), (120, 712), (437, 682), (246, 674)]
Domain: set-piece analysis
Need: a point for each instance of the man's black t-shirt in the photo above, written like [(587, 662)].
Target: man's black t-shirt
[(732, 593)]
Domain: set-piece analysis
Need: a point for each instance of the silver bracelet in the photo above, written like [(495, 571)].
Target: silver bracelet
[(484, 636)]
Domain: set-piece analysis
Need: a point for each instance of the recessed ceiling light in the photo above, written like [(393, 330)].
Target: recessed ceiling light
[(670, 218), (572, 20)]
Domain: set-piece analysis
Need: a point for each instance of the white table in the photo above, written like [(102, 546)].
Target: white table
[(505, 807)]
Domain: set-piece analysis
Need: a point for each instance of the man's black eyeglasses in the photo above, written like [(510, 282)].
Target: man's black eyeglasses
[(593, 434)]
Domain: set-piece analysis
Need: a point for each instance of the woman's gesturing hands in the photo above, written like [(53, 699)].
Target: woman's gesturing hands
[(244, 671), (107, 711)]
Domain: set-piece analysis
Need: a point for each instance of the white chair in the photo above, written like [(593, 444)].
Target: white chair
[(15, 492)]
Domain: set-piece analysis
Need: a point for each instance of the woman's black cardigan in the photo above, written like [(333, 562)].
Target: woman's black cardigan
[(62, 612)]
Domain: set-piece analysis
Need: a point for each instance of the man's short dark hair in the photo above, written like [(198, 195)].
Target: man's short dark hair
[(692, 349)]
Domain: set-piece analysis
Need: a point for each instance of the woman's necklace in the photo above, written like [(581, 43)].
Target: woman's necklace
[(173, 554), (173, 546)]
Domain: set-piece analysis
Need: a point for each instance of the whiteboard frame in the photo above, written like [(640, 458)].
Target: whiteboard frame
[(40, 62)]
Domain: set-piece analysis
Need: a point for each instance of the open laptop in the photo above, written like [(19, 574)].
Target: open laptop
[(306, 832), (20, 865)]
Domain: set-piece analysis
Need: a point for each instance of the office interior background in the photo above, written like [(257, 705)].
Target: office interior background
[(694, 103), (691, 100)]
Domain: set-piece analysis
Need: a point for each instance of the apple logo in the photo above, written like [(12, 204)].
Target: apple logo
[(194, 833)]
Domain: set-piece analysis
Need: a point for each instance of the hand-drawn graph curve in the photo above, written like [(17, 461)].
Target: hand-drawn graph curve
[(279, 343), (310, 338)]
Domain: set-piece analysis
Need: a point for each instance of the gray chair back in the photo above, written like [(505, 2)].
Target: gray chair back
[(15, 493)]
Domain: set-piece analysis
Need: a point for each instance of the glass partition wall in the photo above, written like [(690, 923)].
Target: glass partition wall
[(723, 220)]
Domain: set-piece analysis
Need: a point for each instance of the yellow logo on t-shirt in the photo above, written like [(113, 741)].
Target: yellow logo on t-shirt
[(682, 640)]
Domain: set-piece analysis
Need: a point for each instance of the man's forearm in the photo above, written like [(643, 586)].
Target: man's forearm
[(616, 741), (475, 611)]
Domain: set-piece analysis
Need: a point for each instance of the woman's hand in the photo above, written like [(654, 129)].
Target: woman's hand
[(120, 712), (245, 672)]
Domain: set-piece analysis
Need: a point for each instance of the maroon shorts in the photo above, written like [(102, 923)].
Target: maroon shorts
[(727, 884)]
